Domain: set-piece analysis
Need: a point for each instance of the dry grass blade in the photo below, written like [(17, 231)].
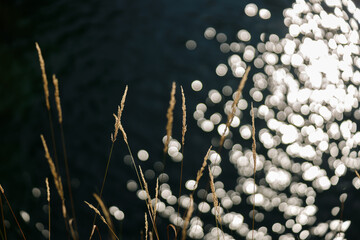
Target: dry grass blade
[(188, 216), (72, 231), (57, 97), (2, 214), (101, 217), (45, 81), (170, 116), (97, 230), (48, 199), (235, 103), (146, 227), (12, 212), (92, 231), (357, 174), (105, 211), (173, 228), (201, 171), (254, 158)]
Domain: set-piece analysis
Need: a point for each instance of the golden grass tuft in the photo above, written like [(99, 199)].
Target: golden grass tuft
[(188, 216), (45, 81), (49, 209), (47, 189), (120, 110), (57, 98), (56, 176), (116, 127), (238, 95), (170, 117), (200, 172), (184, 127)]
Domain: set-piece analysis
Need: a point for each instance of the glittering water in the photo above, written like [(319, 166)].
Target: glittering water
[(305, 89)]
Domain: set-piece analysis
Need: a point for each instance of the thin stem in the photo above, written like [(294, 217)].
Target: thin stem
[(2, 236), (49, 216), (97, 229), (181, 174), (12, 212), (138, 176), (68, 176), (104, 179), (53, 140), (2, 217)]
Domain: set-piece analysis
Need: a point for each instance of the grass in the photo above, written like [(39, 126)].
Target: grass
[(151, 230)]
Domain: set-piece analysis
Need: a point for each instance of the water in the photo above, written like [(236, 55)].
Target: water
[(95, 49)]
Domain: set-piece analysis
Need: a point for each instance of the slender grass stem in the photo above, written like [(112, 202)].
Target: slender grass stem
[(254, 159), (2, 236), (12, 212), (104, 179), (52, 132), (142, 187), (97, 229), (49, 208), (68, 176), (2, 219)]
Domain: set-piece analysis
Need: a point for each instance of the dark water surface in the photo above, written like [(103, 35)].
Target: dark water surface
[(96, 48)]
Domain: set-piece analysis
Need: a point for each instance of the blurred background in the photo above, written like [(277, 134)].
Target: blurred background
[(96, 48)]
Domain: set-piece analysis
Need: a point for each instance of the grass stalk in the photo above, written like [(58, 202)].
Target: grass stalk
[(12, 212), (170, 117), (49, 208), (2, 219), (357, 174), (146, 227), (47, 102), (188, 216), (104, 179), (67, 172), (105, 211), (231, 115), (92, 232), (254, 158), (1, 234), (183, 132), (58, 186), (102, 218), (97, 230)]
